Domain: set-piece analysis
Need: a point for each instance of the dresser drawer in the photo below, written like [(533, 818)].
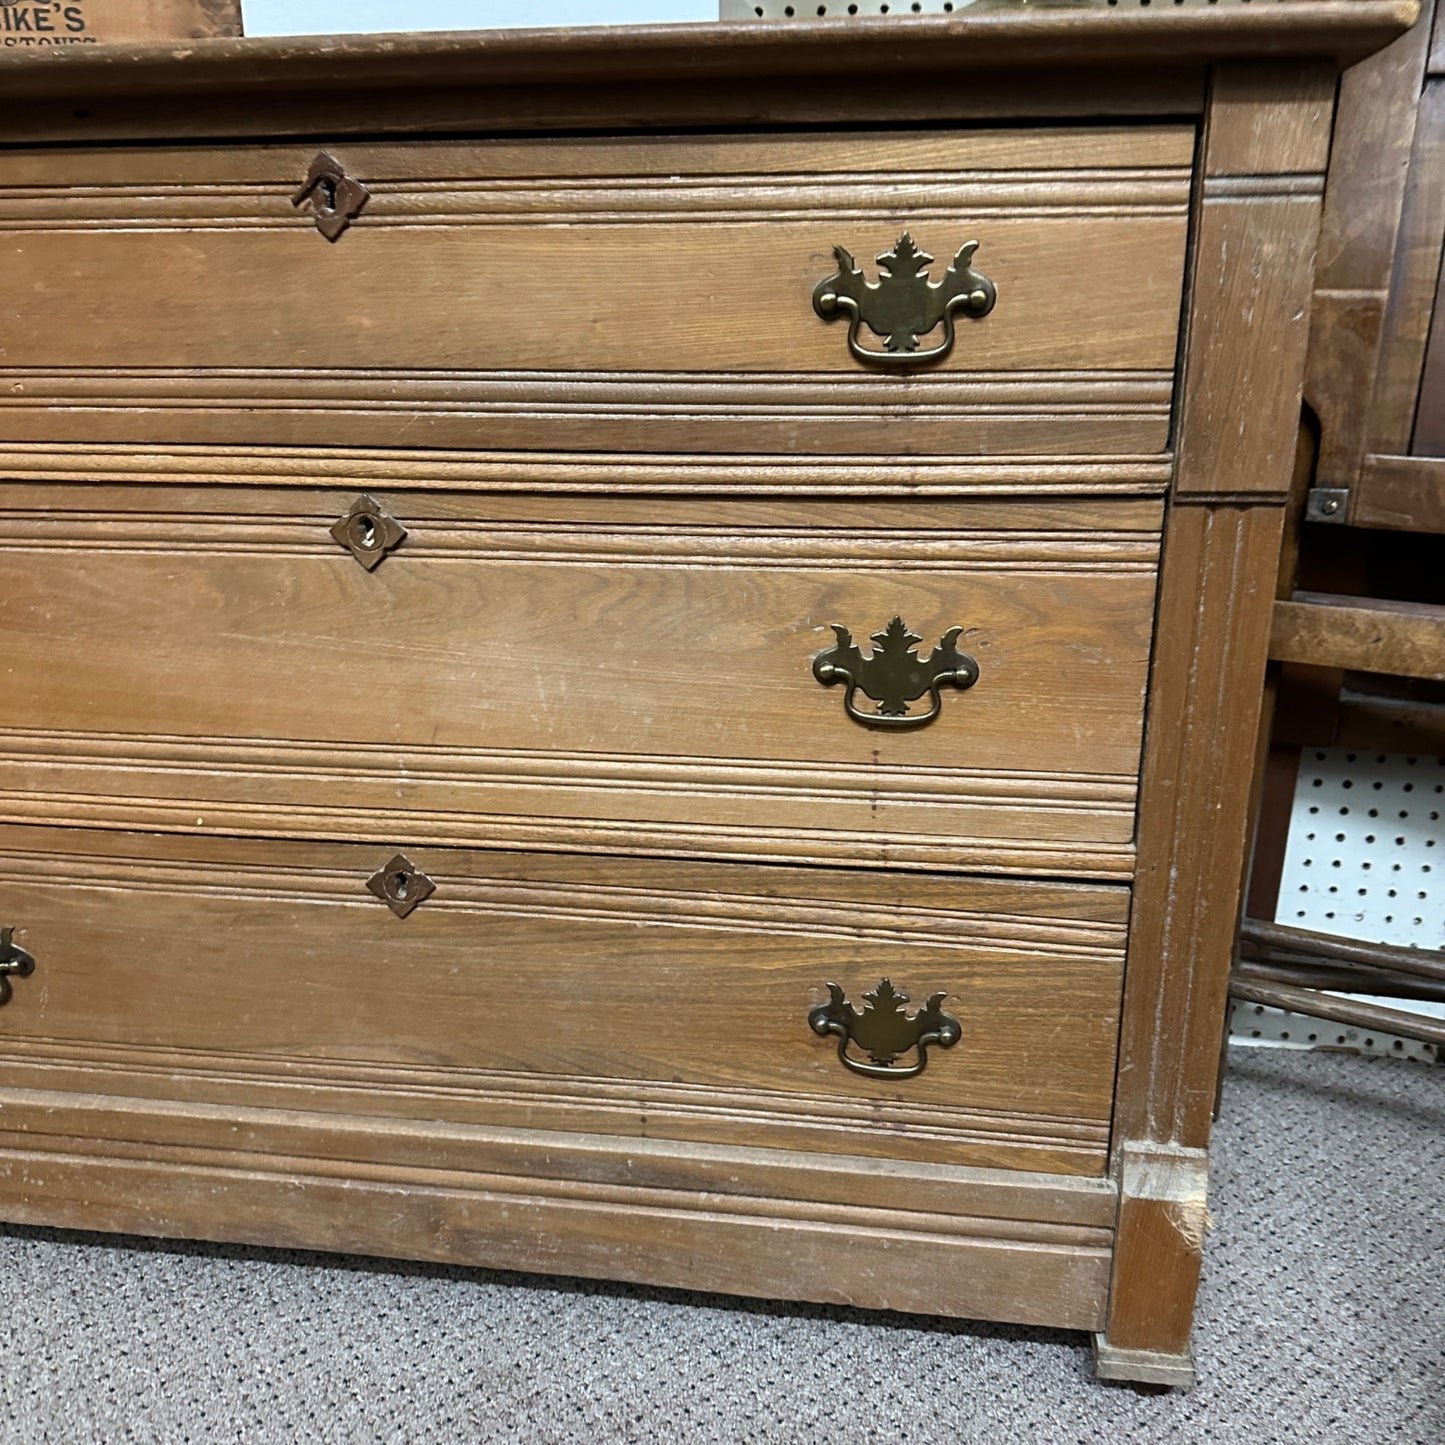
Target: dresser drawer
[(652, 294), (591, 995), (642, 677)]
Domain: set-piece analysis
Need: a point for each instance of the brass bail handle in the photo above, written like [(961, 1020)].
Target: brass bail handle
[(903, 305), (884, 1030), (15, 962), (893, 675)]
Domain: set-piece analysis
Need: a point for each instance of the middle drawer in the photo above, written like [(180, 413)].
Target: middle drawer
[(606, 675)]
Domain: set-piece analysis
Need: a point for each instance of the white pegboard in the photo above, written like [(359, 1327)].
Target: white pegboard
[(1364, 852), (1363, 860), (1252, 1023), (906, 9)]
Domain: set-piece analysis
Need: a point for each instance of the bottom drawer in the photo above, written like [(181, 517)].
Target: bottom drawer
[(598, 995)]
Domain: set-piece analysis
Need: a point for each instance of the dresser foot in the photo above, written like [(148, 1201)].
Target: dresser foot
[(1142, 1367), (1158, 1248)]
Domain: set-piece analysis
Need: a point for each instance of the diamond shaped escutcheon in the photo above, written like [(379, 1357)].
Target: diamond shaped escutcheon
[(336, 199), (401, 885), (368, 532)]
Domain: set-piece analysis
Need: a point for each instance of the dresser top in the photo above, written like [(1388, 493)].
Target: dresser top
[(1339, 30)]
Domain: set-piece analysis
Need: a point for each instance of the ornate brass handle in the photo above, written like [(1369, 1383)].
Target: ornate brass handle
[(894, 675), (903, 304), (13, 960), (883, 1030)]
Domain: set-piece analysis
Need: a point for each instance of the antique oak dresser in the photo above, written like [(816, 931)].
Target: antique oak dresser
[(634, 652)]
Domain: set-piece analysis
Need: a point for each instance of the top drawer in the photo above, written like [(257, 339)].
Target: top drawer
[(638, 294)]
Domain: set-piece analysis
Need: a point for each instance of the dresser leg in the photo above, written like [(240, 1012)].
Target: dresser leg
[(1158, 1246), (1142, 1367)]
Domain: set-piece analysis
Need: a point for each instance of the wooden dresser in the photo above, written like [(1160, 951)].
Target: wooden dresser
[(560, 715)]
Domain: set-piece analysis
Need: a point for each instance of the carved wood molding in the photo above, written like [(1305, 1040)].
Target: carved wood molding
[(650, 473)]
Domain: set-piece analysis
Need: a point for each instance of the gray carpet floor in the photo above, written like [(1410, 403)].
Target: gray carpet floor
[(1322, 1318)]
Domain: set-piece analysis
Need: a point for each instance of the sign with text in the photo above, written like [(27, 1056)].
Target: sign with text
[(26, 24)]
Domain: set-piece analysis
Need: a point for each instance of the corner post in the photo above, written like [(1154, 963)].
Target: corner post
[(1255, 226)]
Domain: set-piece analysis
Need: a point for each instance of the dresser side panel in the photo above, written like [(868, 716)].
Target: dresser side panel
[(1240, 404)]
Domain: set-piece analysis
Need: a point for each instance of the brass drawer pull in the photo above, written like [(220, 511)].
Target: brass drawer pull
[(903, 304), (884, 1031), (894, 675), (13, 960)]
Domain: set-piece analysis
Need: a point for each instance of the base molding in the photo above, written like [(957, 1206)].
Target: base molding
[(1142, 1367), (876, 1234)]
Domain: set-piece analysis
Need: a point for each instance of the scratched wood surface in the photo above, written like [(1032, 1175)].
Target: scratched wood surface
[(1216, 605), (569, 344), (628, 683), (603, 294), (696, 990), (1020, 1246)]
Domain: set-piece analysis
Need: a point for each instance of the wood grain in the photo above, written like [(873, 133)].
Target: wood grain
[(1246, 327), (1265, 119), (1428, 439), (1215, 604), (604, 473), (674, 102), (1163, 1215), (527, 1102), (668, 294), (594, 802), (569, 344), (473, 723), (1369, 172), (912, 1238), (1390, 725), (1360, 634), (1316, 1004), (1342, 29), (1369, 165), (1039, 1206), (1413, 283), (1401, 492), (180, 955), (1251, 275), (963, 1201), (1219, 596), (638, 300), (464, 173), (943, 515), (979, 413), (1250, 320), (1343, 352)]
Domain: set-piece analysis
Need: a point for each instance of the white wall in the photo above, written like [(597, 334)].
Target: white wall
[(332, 17)]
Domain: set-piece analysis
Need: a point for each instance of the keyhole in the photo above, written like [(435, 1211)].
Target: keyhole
[(364, 532), (326, 185), (399, 885)]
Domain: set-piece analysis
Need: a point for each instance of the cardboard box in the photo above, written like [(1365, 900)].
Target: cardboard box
[(30, 23)]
